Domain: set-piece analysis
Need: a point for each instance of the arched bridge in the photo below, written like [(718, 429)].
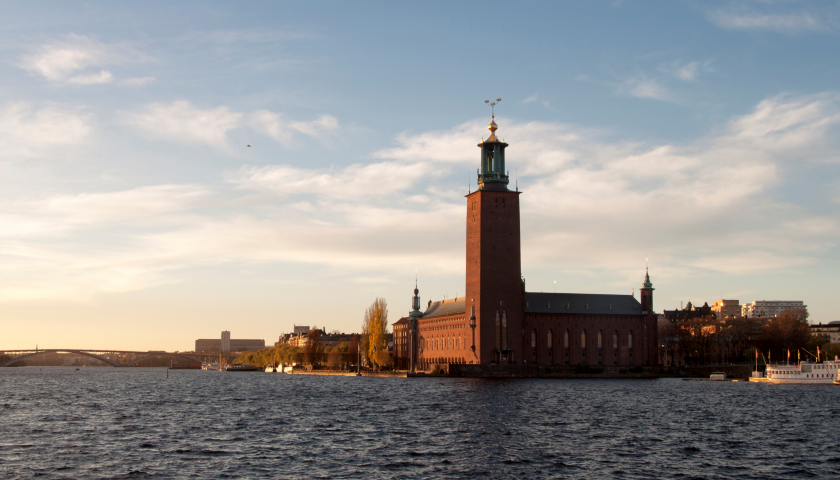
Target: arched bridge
[(114, 358)]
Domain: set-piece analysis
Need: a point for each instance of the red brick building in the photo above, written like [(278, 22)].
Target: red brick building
[(499, 322)]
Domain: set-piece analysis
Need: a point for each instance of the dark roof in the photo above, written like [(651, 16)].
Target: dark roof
[(445, 307), (578, 303), (401, 321)]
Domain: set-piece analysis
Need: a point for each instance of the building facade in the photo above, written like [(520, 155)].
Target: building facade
[(226, 345), (401, 344), (829, 332), (727, 309), (770, 308), (500, 322)]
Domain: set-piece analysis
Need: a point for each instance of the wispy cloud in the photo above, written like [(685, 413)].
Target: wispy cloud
[(786, 22), (138, 81), (67, 61), (28, 131), (278, 127), (180, 121), (605, 201), (686, 71), (354, 181), (641, 86)]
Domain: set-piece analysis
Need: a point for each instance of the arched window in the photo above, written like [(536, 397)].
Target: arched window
[(498, 331), (550, 342), (566, 347), (630, 340), (534, 345), (583, 345), (600, 349), (615, 340)]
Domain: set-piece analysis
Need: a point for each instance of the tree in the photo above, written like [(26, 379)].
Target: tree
[(788, 331), (314, 349), (375, 328), (353, 350)]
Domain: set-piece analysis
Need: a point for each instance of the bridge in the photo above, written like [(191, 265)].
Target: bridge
[(114, 358)]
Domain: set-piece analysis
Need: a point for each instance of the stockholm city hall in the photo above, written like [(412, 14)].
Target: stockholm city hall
[(498, 322)]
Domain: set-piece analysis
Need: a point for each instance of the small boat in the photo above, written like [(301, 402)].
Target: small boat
[(806, 373), (241, 367)]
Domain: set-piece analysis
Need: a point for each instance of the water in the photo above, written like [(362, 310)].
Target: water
[(56, 422)]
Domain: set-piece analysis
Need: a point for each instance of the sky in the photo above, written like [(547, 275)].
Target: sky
[(169, 170)]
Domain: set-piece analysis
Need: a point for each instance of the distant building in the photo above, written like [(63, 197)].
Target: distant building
[(301, 338), (689, 312), (727, 309), (401, 343), (830, 331), (227, 344), (770, 308), (300, 329), (225, 341)]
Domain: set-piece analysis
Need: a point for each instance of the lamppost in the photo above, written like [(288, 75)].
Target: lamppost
[(472, 326)]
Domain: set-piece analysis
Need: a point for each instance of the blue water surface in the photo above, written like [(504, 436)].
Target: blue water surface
[(57, 422)]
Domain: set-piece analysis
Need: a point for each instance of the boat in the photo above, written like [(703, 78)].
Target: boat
[(271, 369), (241, 367), (211, 366), (806, 373)]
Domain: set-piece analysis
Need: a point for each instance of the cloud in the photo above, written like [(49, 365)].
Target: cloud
[(785, 22), (640, 86), (103, 76), (590, 195), (354, 181), (590, 204), (138, 81), (180, 121), (27, 131), (276, 126), (60, 61), (685, 71)]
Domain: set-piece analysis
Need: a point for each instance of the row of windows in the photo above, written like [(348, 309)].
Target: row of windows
[(444, 343), (550, 339)]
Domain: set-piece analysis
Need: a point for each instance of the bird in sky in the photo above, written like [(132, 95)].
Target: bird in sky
[(247, 145)]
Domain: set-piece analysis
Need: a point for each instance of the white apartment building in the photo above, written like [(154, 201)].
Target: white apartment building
[(770, 308)]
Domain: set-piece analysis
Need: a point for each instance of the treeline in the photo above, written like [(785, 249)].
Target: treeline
[(706, 340), (373, 343)]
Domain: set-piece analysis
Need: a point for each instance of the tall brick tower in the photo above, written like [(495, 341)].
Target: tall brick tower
[(494, 287)]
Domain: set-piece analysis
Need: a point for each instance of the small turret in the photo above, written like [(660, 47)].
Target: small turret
[(646, 293)]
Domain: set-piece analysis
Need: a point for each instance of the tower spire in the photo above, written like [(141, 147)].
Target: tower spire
[(493, 156)]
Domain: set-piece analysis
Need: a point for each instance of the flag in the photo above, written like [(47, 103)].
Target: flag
[(798, 355), (818, 353), (756, 354), (788, 353)]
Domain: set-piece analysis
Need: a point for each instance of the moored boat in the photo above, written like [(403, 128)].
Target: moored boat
[(241, 367), (806, 373)]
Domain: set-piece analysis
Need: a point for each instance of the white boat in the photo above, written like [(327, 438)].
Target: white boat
[(806, 373)]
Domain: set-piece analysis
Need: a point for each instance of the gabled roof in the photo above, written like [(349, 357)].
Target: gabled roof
[(401, 321), (442, 308), (591, 303)]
